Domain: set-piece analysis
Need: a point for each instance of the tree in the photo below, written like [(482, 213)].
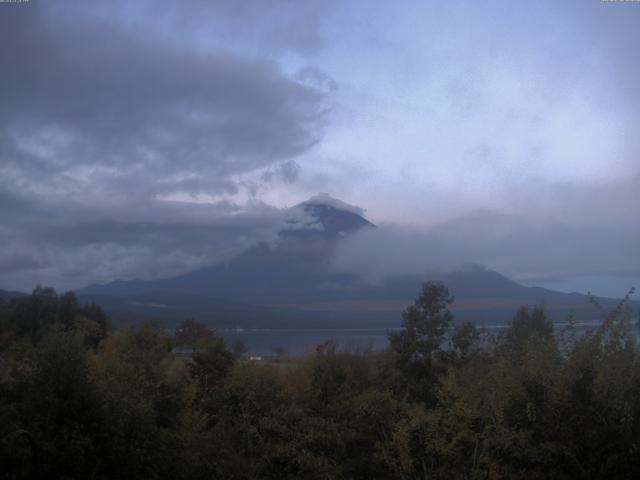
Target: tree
[(280, 351), (32, 316), (425, 325), (194, 335), (528, 323), (59, 407), (98, 320), (211, 365), (144, 398), (68, 307), (240, 348), (465, 341)]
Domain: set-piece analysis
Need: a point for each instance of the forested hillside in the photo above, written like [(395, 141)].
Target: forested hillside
[(81, 401)]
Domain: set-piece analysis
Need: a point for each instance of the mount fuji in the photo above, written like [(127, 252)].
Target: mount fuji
[(290, 283)]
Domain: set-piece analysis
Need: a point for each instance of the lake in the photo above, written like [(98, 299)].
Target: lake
[(298, 341)]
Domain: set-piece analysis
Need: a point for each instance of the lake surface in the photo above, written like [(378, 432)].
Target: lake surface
[(299, 341)]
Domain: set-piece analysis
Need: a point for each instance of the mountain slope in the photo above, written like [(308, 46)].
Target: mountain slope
[(9, 294), (291, 282), (295, 267)]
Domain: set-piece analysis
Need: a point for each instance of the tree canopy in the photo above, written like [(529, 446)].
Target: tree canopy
[(78, 400)]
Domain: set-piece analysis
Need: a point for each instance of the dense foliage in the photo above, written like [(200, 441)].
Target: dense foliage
[(79, 401)]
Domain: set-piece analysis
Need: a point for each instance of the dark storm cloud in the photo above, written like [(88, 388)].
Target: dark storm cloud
[(18, 263), (75, 246), (117, 97), (266, 27), (102, 119)]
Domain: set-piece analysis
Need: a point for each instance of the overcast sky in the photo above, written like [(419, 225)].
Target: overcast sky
[(145, 139)]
